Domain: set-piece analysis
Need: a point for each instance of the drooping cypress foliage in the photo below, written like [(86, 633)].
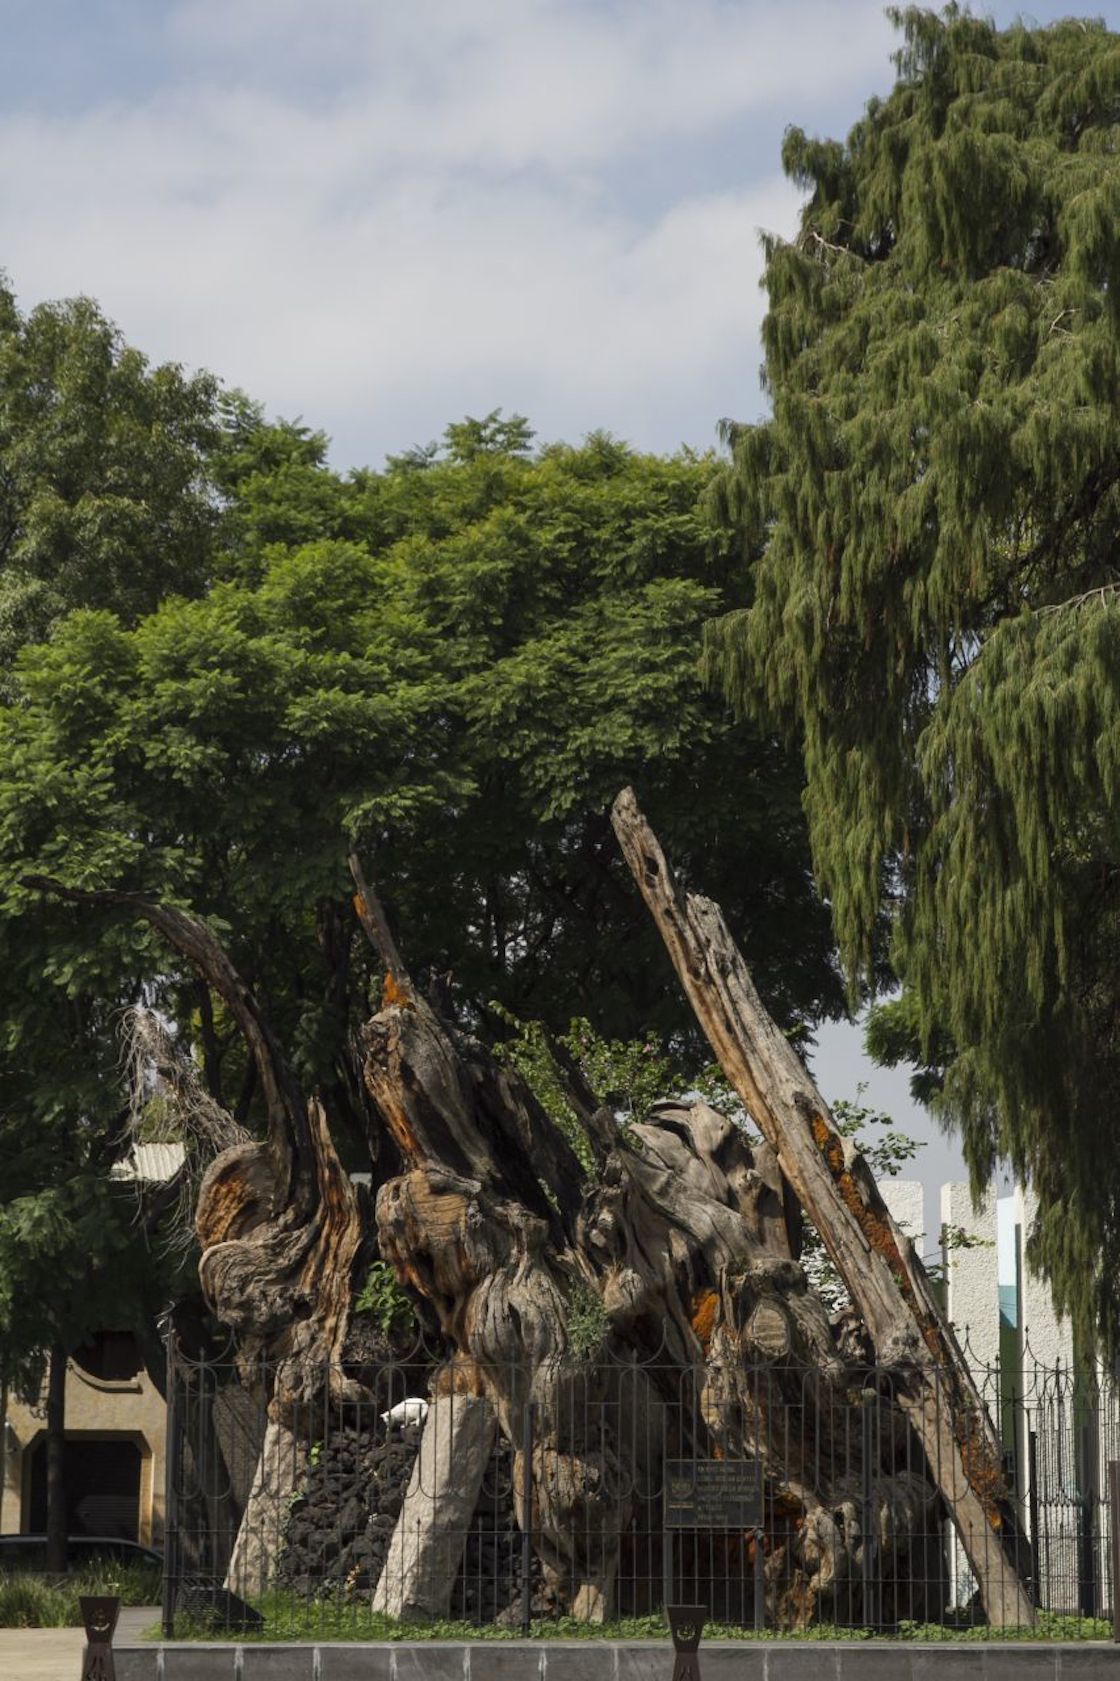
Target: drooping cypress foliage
[(934, 511)]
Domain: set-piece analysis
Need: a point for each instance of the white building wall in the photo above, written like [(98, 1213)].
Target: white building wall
[(1047, 1338), (972, 1276), (904, 1199)]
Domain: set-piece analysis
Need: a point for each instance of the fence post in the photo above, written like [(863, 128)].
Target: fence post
[(1090, 1497), (1114, 1542), (170, 1488), (759, 1582), (868, 1398), (1036, 1546), (526, 1516)]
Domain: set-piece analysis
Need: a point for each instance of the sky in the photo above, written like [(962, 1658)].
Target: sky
[(381, 215)]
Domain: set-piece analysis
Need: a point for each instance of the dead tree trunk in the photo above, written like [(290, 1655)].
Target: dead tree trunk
[(279, 1229), (427, 1544), (711, 1342), (715, 1344), (482, 1225), (835, 1187)]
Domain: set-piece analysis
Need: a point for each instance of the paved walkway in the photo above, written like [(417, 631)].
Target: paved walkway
[(41, 1654), (55, 1654)]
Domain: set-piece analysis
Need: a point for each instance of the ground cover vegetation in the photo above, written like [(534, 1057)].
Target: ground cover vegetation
[(288, 1617), (933, 510), (28, 1600)]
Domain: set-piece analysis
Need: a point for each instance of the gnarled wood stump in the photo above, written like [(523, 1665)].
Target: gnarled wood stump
[(683, 1234)]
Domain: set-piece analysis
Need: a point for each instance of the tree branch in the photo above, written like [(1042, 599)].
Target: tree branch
[(369, 911)]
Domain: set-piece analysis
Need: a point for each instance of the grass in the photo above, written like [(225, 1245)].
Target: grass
[(30, 1601), (288, 1617)]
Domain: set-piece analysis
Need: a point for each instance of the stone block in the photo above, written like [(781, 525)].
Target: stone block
[(946, 1663), (652, 1662), (430, 1660), (499, 1660), (581, 1660), (203, 1662), (135, 1663), (804, 1661), (1021, 1663), (355, 1662), (1090, 1663), (859, 1660), (278, 1663), (740, 1660)]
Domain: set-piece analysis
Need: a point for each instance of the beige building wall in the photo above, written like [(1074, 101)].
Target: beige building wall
[(97, 1409)]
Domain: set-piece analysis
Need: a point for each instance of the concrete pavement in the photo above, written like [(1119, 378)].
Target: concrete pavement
[(41, 1654), (55, 1654)]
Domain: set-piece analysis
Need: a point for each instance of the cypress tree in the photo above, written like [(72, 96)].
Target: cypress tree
[(932, 513)]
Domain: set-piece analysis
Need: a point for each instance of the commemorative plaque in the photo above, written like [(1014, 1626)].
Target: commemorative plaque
[(713, 1494)]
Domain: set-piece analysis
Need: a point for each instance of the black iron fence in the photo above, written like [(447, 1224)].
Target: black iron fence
[(606, 1488)]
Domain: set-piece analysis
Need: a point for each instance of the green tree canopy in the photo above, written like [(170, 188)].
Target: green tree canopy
[(934, 510), (105, 496), (107, 503), (452, 665)]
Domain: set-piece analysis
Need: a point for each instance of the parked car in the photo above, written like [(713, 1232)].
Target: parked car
[(29, 1552)]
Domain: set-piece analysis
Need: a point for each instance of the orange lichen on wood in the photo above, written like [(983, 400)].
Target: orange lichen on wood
[(461, 1376), (705, 1305), (393, 993), (876, 1230), (980, 1466), (399, 1123), (985, 1474)]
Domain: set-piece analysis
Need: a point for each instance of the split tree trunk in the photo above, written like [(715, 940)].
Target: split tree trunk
[(481, 1224), (683, 1233), (427, 1545), (714, 1345), (280, 1474), (278, 1224), (835, 1187)]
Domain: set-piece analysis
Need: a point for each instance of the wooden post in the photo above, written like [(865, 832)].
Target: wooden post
[(835, 1187)]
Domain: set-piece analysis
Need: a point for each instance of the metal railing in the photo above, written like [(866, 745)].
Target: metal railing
[(537, 1493)]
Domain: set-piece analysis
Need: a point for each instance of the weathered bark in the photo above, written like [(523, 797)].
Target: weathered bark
[(685, 1235), (836, 1188), (471, 1228), (277, 1222), (427, 1545), (280, 1472)]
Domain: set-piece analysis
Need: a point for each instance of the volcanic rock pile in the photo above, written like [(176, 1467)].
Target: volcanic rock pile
[(339, 1529)]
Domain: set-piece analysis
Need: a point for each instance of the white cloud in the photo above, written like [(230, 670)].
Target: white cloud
[(383, 216)]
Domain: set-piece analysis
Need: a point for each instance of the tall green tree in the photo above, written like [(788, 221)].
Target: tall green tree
[(106, 499), (107, 502), (933, 509), (458, 688)]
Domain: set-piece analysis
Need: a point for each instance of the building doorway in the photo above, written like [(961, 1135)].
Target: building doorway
[(102, 1487)]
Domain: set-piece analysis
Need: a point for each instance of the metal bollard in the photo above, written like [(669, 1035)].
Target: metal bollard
[(99, 1614), (686, 1625)]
